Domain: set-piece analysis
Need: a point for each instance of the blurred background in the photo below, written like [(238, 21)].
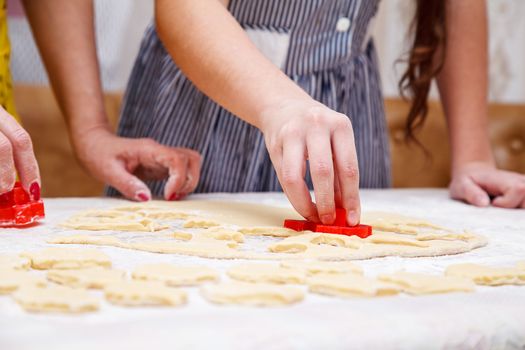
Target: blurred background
[(121, 23)]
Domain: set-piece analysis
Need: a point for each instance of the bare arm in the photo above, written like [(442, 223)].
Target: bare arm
[(213, 51), (64, 32), (463, 89)]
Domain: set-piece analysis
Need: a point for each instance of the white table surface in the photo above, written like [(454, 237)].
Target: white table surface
[(492, 317)]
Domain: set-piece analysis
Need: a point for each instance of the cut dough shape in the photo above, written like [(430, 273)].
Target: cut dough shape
[(268, 231), (485, 275), (223, 234), (350, 285), (101, 220), (397, 223), (95, 277), (8, 261), (266, 273), (198, 222), (55, 299), (183, 236), (259, 294), (419, 284), (392, 238), (11, 280), (174, 275), (448, 236), (324, 267), (67, 258), (144, 293)]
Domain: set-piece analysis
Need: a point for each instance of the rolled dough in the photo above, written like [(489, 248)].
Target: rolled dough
[(222, 234), (174, 275), (100, 220), (67, 258), (95, 277), (326, 267), (55, 299), (266, 273), (11, 280), (485, 275), (419, 284), (200, 222), (350, 285), (254, 294), (17, 262), (144, 293), (274, 231)]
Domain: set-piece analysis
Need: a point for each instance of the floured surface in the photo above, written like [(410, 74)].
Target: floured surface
[(489, 315)]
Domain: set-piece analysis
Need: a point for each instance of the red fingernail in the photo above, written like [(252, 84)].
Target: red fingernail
[(143, 197), (34, 190), (177, 196)]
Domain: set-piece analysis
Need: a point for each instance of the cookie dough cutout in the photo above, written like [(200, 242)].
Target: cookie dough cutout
[(174, 275), (313, 267), (223, 234), (182, 236), (397, 223), (67, 258), (260, 294), (11, 280), (266, 273), (273, 231), (198, 222), (8, 261), (144, 293), (487, 276), (350, 285), (103, 220), (55, 299), (395, 239), (92, 278), (420, 284)]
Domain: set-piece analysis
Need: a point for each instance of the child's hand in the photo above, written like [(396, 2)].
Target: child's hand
[(16, 154), (124, 163), (476, 182), (301, 130)]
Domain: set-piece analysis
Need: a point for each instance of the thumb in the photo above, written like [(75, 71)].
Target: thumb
[(127, 184), (469, 191)]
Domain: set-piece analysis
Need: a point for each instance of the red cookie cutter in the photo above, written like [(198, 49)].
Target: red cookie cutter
[(338, 227), (17, 209)]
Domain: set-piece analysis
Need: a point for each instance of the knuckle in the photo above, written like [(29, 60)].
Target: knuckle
[(290, 178), (343, 123), (520, 188), (5, 146), (349, 171), (322, 169), (21, 140)]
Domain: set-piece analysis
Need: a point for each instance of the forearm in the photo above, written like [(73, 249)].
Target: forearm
[(64, 33), (213, 51), (463, 82)]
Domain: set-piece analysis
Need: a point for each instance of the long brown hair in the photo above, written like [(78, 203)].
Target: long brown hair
[(425, 61)]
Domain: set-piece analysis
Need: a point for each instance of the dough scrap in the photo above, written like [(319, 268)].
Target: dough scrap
[(324, 267), (266, 273), (101, 220), (350, 285), (273, 231), (485, 275), (419, 284), (8, 261), (198, 222), (183, 236), (95, 277), (174, 275), (259, 294), (67, 258), (222, 234), (11, 280), (144, 293), (55, 299)]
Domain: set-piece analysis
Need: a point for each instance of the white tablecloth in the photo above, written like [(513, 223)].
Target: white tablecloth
[(492, 317)]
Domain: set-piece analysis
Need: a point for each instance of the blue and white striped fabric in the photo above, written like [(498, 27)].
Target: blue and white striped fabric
[(327, 52)]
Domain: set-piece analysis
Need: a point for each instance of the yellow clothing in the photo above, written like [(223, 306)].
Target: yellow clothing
[(6, 87)]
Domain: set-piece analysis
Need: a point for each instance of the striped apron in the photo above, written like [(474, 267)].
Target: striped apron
[(322, 45)]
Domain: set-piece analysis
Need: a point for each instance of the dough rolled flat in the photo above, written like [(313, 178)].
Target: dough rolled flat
[(144, 293), (67, 258), (259, 294), (312, 267), (174, 275), (273, 231), (55, 299), (95, 277), (488, 276), (198, 222), (11, 280), (8, 261), (266, 273), (350, 285), (419, 284)]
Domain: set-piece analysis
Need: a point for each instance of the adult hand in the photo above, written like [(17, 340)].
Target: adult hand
[(301, 130), (16, 154), (125, 163), (477, 182)]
